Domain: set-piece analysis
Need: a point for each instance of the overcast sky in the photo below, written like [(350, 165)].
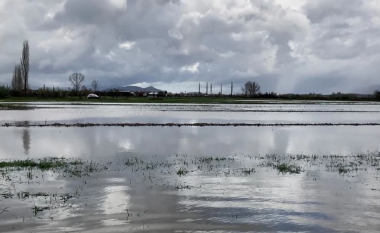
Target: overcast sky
[(285, 45)]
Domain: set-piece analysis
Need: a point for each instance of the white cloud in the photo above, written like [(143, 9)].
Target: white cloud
[(127, 45), (192, 68)]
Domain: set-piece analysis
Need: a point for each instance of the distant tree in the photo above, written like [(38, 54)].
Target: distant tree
[(250, 88), (24, 64), (377, 95), (4, 91), (160, 94), (76, 80), (95, 85)]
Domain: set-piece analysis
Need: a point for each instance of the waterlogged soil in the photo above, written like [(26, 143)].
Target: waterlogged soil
[(189, 179)]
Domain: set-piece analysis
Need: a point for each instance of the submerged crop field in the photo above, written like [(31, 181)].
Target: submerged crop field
[(29, 185), (202, 168)]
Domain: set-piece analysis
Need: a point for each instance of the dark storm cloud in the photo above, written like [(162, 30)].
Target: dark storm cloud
[(298, 45)]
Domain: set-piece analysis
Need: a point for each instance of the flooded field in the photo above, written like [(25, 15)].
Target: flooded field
[(190, 179)]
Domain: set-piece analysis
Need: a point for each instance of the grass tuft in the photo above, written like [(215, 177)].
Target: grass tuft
[(182, 171), (287, 168)]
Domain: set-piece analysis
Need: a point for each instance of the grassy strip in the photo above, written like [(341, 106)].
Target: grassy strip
[(43, 164), (16, 107)]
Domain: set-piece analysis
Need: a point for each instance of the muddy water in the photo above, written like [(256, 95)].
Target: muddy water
[(242, 192)]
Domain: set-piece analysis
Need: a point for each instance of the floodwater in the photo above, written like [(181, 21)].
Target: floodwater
[(230, 183)]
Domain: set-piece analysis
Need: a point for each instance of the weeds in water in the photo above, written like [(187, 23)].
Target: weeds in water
[(287, 168), (152, 171), (133, 161), (37, 209), (77, 162), (181, 187), (247, 171), (217, 159), (29, 175), (343, 170), (6, 195), (182, 171)]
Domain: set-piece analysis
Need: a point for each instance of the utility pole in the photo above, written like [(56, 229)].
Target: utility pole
[(232, 87), (207, 88), (199, 89), (221, 88)]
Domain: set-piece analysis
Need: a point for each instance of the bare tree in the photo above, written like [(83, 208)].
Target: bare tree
[(24, 63), (250, 88), (76, 80), (95, 85)]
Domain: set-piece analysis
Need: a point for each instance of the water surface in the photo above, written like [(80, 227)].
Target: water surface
[(240, 193)]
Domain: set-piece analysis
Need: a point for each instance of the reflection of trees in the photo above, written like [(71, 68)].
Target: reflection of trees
[(25, 135), (26, 140)]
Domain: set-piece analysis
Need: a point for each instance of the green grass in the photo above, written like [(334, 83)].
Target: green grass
[(7, 106), (43, 164)]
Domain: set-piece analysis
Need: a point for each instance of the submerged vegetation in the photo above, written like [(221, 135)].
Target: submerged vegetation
[(182, 171), (288, 168), (154, 171)]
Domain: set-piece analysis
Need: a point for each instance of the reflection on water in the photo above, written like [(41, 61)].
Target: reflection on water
[(26, 140), (116, 201), (194, 113), (212, 141)]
